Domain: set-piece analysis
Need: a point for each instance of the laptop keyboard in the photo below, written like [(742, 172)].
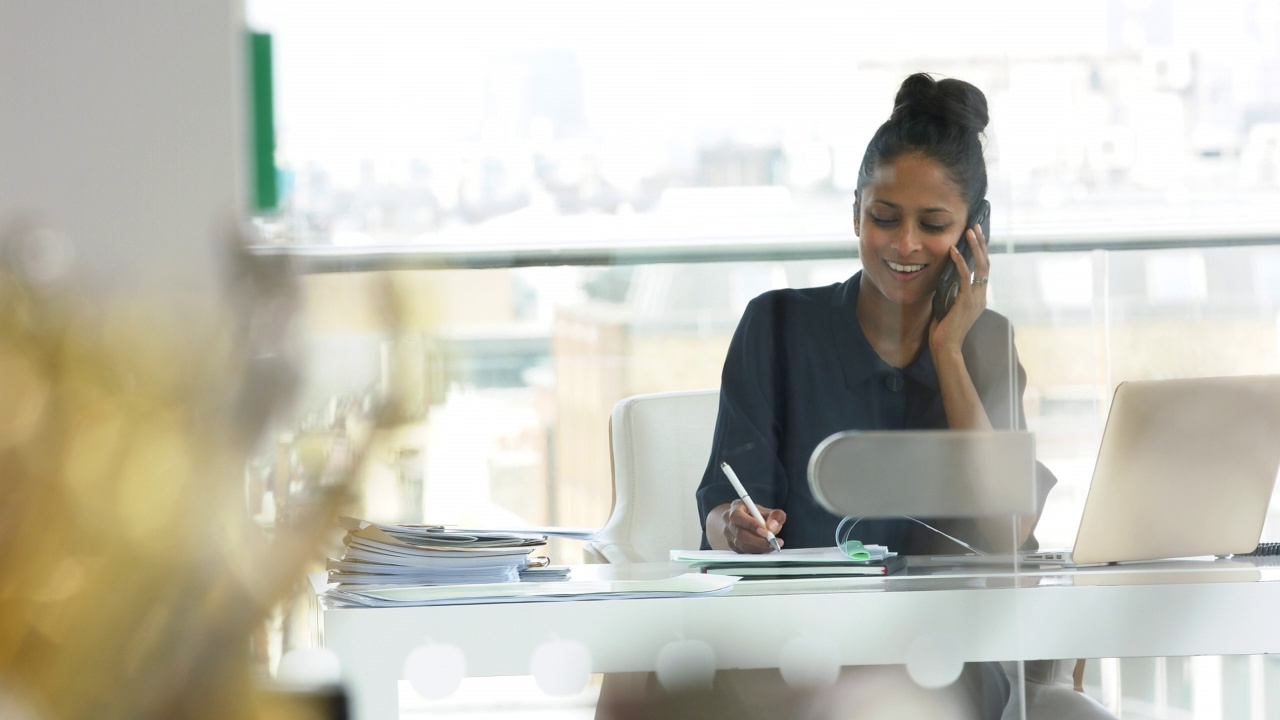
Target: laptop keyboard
[(1263, 549)]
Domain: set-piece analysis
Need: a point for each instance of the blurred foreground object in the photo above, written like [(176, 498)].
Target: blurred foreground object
[(131, 576)]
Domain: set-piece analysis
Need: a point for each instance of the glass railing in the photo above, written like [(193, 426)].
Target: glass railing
[(510, 374)]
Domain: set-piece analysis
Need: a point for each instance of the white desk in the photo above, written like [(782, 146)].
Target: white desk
[(1223, 608)]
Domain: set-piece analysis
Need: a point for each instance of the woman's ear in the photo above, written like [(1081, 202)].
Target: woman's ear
[(857, 215)]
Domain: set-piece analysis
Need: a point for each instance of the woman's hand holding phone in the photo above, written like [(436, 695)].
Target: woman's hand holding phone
[(948, 333)]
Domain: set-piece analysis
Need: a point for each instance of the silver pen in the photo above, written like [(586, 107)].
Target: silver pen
[(751, 506)]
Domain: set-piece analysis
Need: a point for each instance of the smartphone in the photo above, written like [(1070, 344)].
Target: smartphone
[(949, 281)]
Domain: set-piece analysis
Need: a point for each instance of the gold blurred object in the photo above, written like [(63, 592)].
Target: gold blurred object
[(131, 575)]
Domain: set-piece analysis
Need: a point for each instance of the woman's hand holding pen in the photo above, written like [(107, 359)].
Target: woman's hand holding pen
[(743, 533)]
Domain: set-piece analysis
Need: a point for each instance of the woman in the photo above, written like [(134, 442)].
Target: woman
[(868, 354)]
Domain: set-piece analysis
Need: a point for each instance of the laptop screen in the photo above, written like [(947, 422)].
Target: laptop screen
[(1185, 468)]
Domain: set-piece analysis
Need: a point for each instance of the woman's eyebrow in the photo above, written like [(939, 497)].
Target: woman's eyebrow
[(896, 206)]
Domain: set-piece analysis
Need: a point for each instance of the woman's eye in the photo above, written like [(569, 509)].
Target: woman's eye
[(883, 222), (934, 228)]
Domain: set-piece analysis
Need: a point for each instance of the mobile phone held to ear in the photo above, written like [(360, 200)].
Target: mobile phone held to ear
[(949, 281)]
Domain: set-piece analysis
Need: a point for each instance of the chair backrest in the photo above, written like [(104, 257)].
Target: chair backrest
[(661, 443)]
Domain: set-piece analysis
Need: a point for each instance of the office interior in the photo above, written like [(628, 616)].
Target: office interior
[(506, 219)]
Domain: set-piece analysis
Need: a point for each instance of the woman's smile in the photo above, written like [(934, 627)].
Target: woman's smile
[(907, 270)]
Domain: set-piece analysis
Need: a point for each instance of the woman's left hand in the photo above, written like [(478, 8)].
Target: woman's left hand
[(971, 300)]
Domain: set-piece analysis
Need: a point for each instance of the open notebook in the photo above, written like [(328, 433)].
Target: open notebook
[(794, 562), (1185, 468)]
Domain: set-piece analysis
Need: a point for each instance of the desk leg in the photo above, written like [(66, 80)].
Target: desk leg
[(619, 688), (372, 695), (371, 669)]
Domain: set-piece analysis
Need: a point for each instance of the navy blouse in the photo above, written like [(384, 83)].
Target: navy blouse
[(799, 369)]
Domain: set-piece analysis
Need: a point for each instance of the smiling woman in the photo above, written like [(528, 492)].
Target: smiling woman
[(870, 354), (922, 177)]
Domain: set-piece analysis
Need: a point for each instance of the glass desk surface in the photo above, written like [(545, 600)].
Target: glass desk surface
[(931, 573)]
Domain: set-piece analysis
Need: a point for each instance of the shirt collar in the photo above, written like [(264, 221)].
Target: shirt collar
[(858, 359)]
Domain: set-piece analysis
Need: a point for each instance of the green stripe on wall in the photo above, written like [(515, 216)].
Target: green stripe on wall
[(265, 183)]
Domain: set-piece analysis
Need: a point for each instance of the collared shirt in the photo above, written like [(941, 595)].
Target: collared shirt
[(800, 369)]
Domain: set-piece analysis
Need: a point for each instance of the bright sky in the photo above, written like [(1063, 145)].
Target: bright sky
[(386, 76), (391, 80)]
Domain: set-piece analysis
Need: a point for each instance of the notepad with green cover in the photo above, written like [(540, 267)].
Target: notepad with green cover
[(888, 566), (803, 562)]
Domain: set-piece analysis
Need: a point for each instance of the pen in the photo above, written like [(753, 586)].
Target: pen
[(751, 506)]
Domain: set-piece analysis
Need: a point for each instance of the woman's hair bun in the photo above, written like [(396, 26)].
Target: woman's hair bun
[(942, 120), (950, 100)]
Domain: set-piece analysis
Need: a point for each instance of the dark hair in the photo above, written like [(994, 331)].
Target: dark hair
[(942, 120)]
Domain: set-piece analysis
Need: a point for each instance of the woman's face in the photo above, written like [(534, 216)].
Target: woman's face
[(907, 219)]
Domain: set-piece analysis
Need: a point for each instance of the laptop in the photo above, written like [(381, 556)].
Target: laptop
[(1185, 468)]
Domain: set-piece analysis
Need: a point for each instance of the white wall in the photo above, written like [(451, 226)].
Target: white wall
[(122, 127)]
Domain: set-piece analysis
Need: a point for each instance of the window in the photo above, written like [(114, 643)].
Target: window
[(662, 163)]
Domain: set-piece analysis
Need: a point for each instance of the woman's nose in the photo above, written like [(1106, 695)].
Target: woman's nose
[(907, 240)]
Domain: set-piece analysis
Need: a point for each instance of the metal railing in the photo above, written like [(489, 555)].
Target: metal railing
[(512, 252)]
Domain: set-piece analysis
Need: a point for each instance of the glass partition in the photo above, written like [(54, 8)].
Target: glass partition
[(573, 205), (512, 373)]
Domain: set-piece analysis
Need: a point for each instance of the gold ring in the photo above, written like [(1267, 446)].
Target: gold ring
[(981, 281)]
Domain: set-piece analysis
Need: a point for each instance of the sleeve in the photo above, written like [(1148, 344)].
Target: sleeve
[(747, 432), (992, 357)]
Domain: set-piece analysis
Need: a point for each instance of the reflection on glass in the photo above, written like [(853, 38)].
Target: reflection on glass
[(463, 126)]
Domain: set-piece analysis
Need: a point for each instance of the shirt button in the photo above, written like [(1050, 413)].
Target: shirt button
[(893, 382)]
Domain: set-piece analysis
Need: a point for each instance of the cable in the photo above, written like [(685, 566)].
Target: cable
[(842, 534)]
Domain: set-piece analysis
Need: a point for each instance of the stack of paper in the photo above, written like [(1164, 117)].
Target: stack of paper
[(685, 585), (390, 555), (801, 562)]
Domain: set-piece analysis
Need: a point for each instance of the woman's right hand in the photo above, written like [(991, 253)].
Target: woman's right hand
[(735, 528)]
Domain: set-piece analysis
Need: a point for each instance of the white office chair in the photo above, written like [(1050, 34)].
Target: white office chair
[(660, 445)]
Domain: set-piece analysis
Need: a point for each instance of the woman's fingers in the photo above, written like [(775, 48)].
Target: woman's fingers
[(971, 298), (962, 268), (981, 265), (745, 534), (981, 257), (774, 519)]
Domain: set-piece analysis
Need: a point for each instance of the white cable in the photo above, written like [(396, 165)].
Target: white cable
[(842, 534)]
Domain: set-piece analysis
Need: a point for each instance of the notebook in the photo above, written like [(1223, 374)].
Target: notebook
[(792, 562), (1185, 468)]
